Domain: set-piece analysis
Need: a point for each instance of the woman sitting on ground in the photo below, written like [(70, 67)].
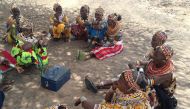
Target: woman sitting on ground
[(124, 94), (158, 75)]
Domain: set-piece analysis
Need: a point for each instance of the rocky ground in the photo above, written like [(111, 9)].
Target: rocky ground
[(141, 18)]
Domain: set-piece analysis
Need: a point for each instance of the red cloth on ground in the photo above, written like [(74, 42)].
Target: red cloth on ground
[(106, 52), (11, 59)]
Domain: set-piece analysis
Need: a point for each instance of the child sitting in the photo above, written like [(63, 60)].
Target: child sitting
[(27, 34), (113, 44), (97, 29), (60, 25), (14, 24), (113, 32), (79, 30)]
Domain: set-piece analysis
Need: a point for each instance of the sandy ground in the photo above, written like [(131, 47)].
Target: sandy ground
[(141, 18)]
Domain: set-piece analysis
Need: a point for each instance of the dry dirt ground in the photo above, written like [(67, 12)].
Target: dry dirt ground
[(141, 18)]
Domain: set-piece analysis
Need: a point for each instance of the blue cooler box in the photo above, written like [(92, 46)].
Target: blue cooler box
[(55, 77)]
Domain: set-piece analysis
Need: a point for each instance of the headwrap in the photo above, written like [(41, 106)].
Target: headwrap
[(167, 51), (100, 11), (161, 36), (130, 80), (55, 6)]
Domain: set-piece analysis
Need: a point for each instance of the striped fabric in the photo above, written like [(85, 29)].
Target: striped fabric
[(167, 68), (7, 56), (106, 52)]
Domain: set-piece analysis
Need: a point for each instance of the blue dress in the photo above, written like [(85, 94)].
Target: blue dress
[(100, 33)]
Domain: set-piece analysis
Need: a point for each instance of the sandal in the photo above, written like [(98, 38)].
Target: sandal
[(90, 85)]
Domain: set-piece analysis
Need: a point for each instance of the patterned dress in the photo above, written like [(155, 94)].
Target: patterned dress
[(61, 27), (98, 33), (137, 100)]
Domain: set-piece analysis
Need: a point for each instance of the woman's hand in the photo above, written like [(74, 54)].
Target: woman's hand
[(141, 63), (19, 69), (109, 96)]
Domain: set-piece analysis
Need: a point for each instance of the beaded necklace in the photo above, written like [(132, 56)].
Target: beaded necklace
[(154, 71)]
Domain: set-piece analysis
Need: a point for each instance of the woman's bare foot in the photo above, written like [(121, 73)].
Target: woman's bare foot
[(87, 57), (19, 69)]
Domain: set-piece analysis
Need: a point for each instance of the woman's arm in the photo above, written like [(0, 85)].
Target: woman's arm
[(109, 96), (163, 80)]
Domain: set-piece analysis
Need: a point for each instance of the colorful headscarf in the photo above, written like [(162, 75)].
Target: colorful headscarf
[(130, 80), (161, 36), (167, 51), (100, 11)]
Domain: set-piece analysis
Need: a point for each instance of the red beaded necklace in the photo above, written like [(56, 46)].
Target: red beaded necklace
[(154, 71)]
